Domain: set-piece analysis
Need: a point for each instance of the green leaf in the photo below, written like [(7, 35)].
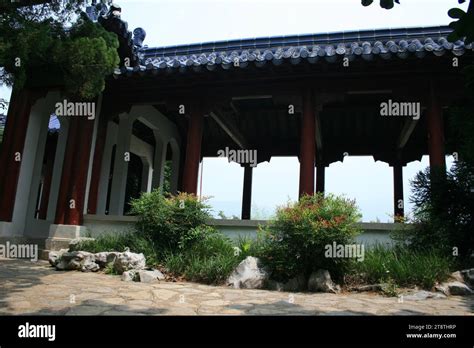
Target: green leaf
[(456, 13)]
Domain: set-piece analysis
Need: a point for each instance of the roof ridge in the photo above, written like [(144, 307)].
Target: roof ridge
[(302, 39)]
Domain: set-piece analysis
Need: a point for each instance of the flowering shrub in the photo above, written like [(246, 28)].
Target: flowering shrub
[(294, 243)]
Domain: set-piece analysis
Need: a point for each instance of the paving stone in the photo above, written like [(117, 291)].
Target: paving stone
[(37, 289)]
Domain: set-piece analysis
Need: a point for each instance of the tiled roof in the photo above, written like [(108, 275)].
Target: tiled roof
[(367, 44)]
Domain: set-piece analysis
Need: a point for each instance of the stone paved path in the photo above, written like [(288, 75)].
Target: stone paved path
[(36, 288)]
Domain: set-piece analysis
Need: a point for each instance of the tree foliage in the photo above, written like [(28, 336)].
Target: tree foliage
[(56, 38)]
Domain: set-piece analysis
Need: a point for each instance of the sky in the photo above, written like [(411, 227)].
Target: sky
[(174, 22)]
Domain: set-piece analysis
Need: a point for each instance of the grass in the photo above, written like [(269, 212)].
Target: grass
[(208, 261), (402, 266)]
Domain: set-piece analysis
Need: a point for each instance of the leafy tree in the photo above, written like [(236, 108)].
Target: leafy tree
[(56, 44)]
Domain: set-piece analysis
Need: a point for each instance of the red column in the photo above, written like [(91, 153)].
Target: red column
[(97, 164), (193, 150), (308, 145), (435, 132), (14, 142), (74, 173)]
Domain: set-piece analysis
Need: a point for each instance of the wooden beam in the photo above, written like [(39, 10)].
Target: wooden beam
[(406, 133), (231, 129)]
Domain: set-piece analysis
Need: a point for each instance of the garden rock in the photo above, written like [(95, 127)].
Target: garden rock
[(54, 257), (457, 276), (128, 276), (101, 258), (128, 260), (249, 274), (77, 260), (422, 295), (295, 284), (468, 275), (89, 265), (150, 276), (370, 287), (320, 281), (454, 288)]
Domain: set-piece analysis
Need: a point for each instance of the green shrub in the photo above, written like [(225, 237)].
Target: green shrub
[(443, 214), (169, 221), (294, 243), (118, 242), (402, 266), (209, 260)]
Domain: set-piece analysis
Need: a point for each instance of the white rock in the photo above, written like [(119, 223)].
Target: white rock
[(320, 281), (249, 274), (128, 276), (454, 288), (457, 276), (89, 265), (127, 261), (468, 275), (295, 284), (422, 295), (55, 256), (150, 276)]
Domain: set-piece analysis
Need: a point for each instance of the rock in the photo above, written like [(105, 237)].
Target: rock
[(457, 276), (128, 276), (77, 255), (89, 265), (422, 295), (454, 288), (61, 265), (150, 276), (249, 274), (468, 275), (55, 256), (370, 287), (295, 284), (77, 260), (112, 256), (101, 258), (127, 261), (320, 281)]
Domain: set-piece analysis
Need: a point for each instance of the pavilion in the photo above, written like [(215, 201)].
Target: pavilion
[(317, 97)]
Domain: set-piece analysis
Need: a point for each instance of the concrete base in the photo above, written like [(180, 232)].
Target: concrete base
[(6, 229), (61, 235)]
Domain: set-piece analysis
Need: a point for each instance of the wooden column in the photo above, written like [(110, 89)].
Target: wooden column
[(193, 150), (320, 178), (247, 193), (308, 145), (398, 202), (74, 173), (435, 132), (13, 144)]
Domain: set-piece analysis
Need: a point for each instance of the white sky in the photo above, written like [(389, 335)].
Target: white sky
[(173, 22)]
